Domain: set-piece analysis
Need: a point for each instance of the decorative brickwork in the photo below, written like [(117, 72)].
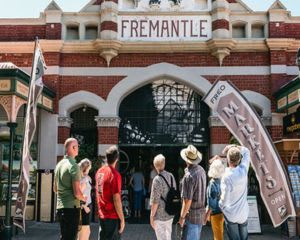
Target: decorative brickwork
[(220, 24), (109, 25), (98, 85), (284, 30), (219, 135), (63, 134), (53, 31), (108, 135), (275, 132), (22, 32)]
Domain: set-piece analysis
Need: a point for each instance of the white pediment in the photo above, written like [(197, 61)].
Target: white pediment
[(53, 6), (164, 5), (91, 7), (239, 6), (277, 5)]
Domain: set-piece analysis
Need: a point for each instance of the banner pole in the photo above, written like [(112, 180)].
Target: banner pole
[(8, 223)]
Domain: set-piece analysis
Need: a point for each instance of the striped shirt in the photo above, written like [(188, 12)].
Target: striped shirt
[(193, 187)]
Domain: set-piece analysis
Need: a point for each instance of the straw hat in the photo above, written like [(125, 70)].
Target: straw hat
[(191, 155)]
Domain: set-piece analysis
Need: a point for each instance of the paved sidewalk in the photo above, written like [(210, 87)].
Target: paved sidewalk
[(50, 231)]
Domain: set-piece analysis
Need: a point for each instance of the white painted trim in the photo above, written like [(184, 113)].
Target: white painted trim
[(60, 150), (102, 148), (74, 100), (278, 69), (260, 101), (126, 71), (292, 70), (216, 149)]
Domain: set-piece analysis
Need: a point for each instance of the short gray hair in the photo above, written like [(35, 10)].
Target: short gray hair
[(216, 169), (234, 155), (159, 162)]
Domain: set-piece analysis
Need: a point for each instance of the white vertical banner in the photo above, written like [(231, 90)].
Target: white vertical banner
[(35, 90)]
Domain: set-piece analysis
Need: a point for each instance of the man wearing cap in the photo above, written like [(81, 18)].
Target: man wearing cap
[(233, 200), (193, 189)]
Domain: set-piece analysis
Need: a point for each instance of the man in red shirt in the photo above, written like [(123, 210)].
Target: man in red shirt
[(108, 189)]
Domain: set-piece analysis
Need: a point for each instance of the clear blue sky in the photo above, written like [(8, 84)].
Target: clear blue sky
[(32, 8)]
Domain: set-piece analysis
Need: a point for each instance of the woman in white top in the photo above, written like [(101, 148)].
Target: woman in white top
[(85, 185)]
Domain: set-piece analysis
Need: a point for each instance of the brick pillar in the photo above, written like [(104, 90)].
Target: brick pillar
[(53, 15), (220, 19), (278, 69), (64, 128), (219, 135), (109, 20), (108, 132), (276, 127)]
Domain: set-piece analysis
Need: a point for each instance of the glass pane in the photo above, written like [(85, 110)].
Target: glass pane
[(164, 112)]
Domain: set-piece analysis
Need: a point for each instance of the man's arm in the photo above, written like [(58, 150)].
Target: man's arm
[(55, 186), (225, 193), (77, 191), (154, 207), (118, 206), (186, 204), (245, 157)]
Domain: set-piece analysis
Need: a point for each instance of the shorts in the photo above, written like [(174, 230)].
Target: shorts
[(85, 217)]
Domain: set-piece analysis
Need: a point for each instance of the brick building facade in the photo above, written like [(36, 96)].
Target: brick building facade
[(102, 54)]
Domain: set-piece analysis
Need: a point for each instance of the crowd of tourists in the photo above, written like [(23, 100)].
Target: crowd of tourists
[(222, 202)]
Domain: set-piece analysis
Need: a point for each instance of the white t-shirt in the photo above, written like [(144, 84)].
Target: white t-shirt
[(88, 188)]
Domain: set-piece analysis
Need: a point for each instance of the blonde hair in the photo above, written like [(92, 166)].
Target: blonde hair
[(84, 165), (159, 162), (216, 169)]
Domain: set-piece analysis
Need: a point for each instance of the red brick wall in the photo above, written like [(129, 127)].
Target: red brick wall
[(109, 25), (98, 85), (276, 132), (231, 1), (291, 58), (278, 57), (53, 31), (219, 135), (22, 32), (108, 135), (284, 30), (220, 24), (257, 83), (63, 134), (82, 60)]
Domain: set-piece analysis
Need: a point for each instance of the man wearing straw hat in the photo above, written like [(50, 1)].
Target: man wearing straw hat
[(193, 188)]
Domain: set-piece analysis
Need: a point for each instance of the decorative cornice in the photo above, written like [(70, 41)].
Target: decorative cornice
[(65, 121), (220, 48), (282, 43), (109, 121), (111, 48), (277, 119), (108, 49)]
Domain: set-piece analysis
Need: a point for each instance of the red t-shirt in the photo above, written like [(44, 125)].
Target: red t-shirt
[(108, 183)]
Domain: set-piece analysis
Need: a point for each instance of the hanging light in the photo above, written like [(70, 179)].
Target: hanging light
[(4, 133), (84, 108)]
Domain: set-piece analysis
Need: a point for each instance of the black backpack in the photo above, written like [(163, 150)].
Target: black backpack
[(173, 201)]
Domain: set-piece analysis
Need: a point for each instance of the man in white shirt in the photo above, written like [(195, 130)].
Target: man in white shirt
[(233, 201)]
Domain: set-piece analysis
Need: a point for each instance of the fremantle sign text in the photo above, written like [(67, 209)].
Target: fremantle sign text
[(164, 28)]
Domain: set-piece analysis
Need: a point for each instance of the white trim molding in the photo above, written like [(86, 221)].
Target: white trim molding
[(76, 100), (108, 121), (64, 121)]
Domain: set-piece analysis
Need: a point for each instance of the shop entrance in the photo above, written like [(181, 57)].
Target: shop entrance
[(160, 118)]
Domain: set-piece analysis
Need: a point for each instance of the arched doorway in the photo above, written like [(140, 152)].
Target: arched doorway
[(163, 117)]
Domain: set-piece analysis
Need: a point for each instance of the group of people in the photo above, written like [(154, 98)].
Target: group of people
[(226, 195)]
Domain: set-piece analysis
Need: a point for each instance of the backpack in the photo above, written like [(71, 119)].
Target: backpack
[(173, 201)]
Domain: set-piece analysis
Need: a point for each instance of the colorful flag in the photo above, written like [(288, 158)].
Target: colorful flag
[(243, 122), (35, 90)]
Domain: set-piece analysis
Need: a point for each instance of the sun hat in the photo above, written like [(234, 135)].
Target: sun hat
[(191, 155)]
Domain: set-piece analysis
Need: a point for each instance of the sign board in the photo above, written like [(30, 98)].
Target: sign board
[(291, 123), (253, 218), (164, 28)]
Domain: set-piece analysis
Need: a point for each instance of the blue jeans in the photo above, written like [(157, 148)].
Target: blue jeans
[(236, 231), (138, 197), (191, 231)]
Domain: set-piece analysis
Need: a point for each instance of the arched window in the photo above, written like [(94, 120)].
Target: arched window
[(72, 32), (91, 32), (239, 30), (258, 30), (164, 112)]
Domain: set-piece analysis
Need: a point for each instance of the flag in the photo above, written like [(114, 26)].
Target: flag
[(243, 122), (35, 90)]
